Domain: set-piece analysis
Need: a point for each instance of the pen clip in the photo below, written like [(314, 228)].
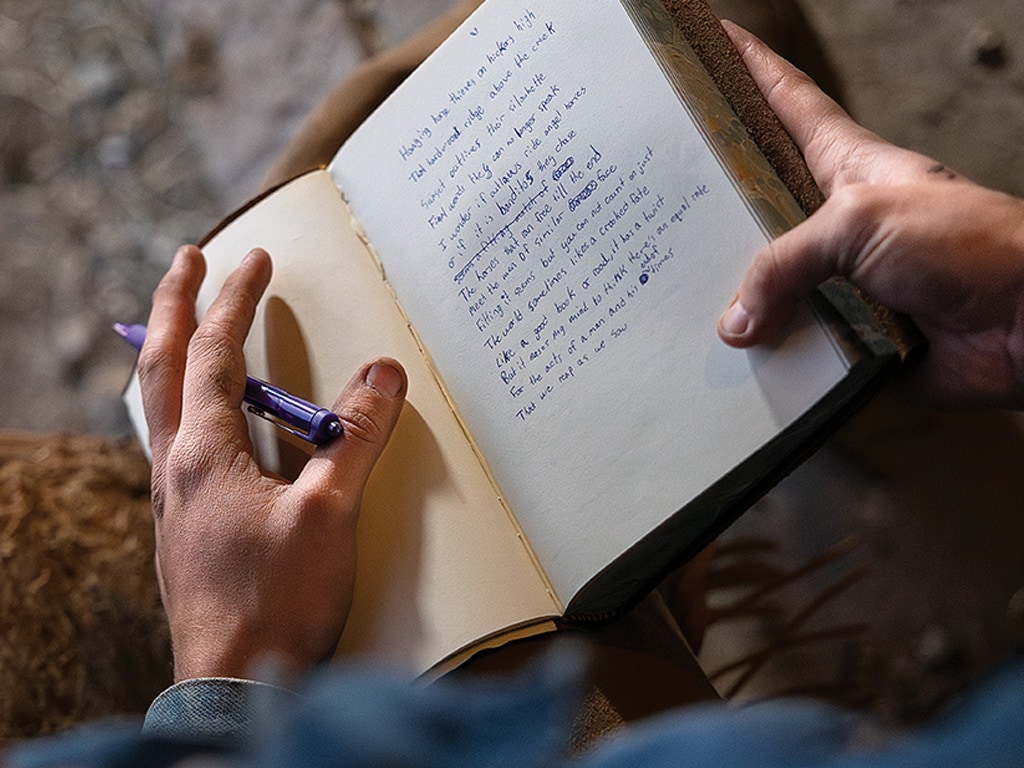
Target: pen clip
[(280, 423), (294, 415)]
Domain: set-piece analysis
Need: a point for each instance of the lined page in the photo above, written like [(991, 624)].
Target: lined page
[(563, 240)]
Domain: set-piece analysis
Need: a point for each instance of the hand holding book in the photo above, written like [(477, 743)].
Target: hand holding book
[(919, 238)]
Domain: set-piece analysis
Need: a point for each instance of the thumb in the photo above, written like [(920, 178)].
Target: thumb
[(783, 272), (368, 408)]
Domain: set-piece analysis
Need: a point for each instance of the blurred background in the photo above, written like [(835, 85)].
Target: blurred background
[(130, 126)]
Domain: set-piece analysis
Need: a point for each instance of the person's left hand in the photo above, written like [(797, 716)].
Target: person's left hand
[(249, 565)]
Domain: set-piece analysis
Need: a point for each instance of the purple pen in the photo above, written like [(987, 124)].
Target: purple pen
[(292, 414)]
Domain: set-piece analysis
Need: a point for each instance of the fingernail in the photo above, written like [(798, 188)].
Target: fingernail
[(253, 255), (735, 321), (384, 378), (180, 254)]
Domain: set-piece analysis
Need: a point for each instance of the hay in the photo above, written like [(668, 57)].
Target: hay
[(82, 634)]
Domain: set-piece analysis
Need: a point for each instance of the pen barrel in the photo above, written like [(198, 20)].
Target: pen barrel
[(301, 418), (305, 419)]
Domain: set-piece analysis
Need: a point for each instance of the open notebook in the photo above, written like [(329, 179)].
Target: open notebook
[(543, 224)]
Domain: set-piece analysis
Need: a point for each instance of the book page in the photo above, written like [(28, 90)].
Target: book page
[(563, 240), (439, 565)]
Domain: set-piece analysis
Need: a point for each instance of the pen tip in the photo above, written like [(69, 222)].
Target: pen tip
[(133, 334)]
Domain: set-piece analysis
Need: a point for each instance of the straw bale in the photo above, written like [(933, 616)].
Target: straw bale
[(82, 634)]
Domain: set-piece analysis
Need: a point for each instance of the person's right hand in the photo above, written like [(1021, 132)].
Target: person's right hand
[(917, 237), (250, 566)]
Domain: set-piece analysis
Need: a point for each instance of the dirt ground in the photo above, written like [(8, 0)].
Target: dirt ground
[(129, 126)]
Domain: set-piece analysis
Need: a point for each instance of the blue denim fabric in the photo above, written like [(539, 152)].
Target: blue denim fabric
[(983, 730), (359, 717), (218, 709)]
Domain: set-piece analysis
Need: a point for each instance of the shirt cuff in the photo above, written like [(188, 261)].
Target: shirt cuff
[(221, 709)]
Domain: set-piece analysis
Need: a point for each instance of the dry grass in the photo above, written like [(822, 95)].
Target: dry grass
[(82, 634)]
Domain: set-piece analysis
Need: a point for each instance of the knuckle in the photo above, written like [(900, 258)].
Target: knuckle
[(857, 211), (854, 201), (194, 463), (196, 473), (169, 288), (838, 150), (183, 471), (864, 213), (211, 345), (218, 357), (315, 507), (364, 420), (862, 206), (156, 362), (361, 426), (789, 80)]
